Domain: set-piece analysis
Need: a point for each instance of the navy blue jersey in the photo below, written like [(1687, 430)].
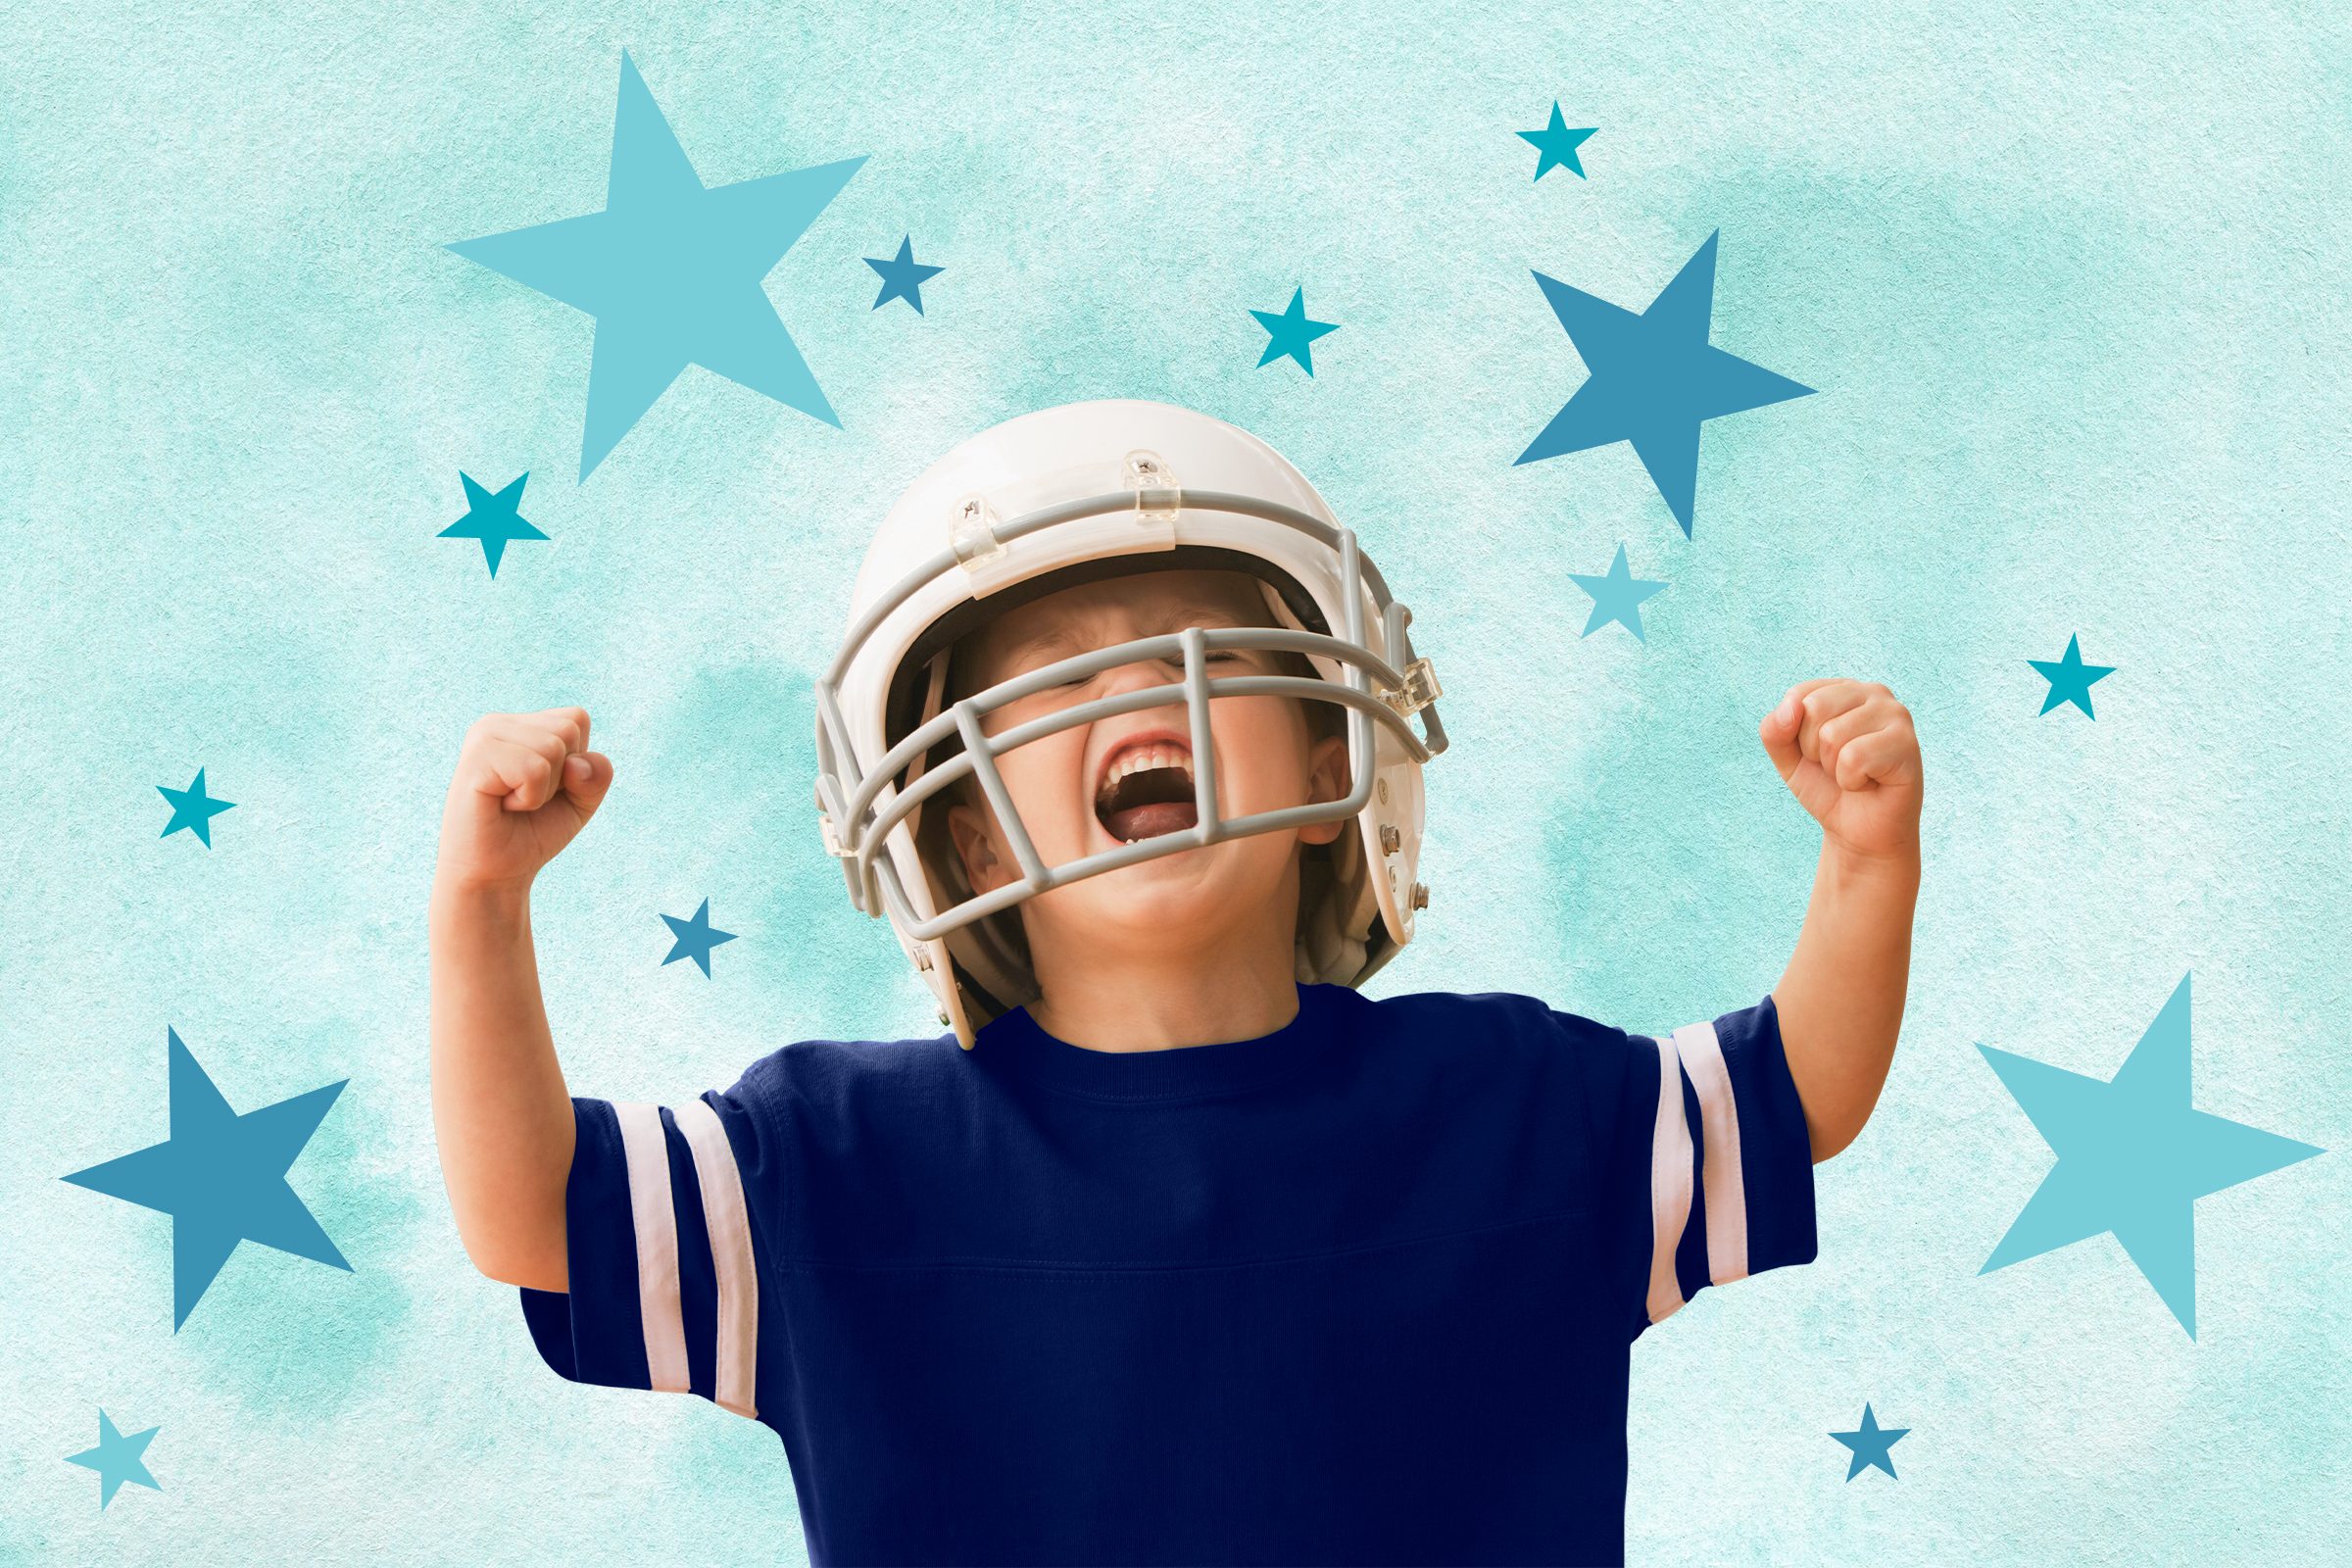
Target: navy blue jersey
[(1359, 1291)]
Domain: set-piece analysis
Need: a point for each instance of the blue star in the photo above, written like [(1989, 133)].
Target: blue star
[(2133, 1157), (1290, 332), (116, 1459), (671, 273), (491, 519), (695, 938), (1616, 596), (1654, 380), (222, 1177), (2069, 679), (1558, 144), (1870, 1442), (903, 277), (192, 808)]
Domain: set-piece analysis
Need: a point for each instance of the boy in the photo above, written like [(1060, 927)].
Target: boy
[(1177, 1247)]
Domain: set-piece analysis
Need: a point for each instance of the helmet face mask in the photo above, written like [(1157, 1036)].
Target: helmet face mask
[(876, 773)]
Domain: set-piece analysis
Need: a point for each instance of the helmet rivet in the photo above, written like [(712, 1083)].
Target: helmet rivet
[(922, 957), (1420, 894), (943, 1018), (1390, 838), (1382, 785)]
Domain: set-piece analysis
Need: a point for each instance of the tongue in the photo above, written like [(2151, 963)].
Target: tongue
[(1151, 820)]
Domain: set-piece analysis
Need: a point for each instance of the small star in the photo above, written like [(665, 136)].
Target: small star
[(2133, 1157), (1870, 1442), (192, 808), (672, 271), (222, 1177), (903, 277), (491, 519), (1290, 332), (1654, 380), (695, 938), (1558, 144), (116, 1458), (1616, 596), (2069, 679)]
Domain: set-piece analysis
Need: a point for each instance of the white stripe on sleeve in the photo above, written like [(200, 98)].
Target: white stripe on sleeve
[(646, 1149), (1669, 1185), (731, 1256), (1719, 1124)]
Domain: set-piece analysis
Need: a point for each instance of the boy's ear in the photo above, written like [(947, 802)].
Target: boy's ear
[(1327, 780), (978, 852)]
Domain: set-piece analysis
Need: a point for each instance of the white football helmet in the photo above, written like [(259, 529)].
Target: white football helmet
[(1070, 495)]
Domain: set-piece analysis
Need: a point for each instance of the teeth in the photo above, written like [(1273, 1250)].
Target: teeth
[(1137, 759)]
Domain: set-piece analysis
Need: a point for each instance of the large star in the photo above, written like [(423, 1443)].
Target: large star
[(116, 1458), (2133, 1157), (671, 273), (903, 277), (2069, 679), (1616, 596), (492, 518), (1654, 380), (1558, 144), (194, 809), (1870, 1444), (1290, 332), (695, 938), (222, 1177)]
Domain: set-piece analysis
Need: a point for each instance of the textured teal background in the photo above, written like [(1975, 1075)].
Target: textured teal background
[(2070, 279)]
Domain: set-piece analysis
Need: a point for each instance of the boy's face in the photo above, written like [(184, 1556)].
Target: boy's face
[(1076, 797)]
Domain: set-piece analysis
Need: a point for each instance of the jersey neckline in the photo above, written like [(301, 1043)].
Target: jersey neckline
[(1016, 1040)]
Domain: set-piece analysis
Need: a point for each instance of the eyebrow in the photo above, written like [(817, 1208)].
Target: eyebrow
[(1184, 615)]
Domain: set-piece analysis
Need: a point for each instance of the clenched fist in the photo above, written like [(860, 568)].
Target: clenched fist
[(1846, 751), (526, 785)]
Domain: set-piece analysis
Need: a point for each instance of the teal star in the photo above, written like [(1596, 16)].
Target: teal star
[(491, 519), (903, 277), (2133, 1157), (672, 271), (2069, 679), (116, 1458), (695, 938), (1654, 380), (1558, 144), (1616, 596), (1870, 1442), (222, 1177), (192, 808), (1290, 332)]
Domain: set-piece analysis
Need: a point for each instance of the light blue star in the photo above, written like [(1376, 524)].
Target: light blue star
[(2069, 679), (1616, 596), (222, 1177), (491, 519), (2133, 1157), (671, 273), (695, 938), (116, 1458), (1290, 332), (903, 277), (1870, 1442), (1654, 380), (1558, 144), (192, 808)]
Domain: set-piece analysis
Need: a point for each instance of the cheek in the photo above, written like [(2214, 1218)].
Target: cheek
[(1043, 780), (1261, 752)]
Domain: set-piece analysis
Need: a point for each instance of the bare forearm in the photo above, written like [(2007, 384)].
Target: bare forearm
[(500, 1110), (1841, 1000)]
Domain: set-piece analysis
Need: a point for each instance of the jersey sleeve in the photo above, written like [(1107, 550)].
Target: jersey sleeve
[(1707, 1165), (669, 1215)]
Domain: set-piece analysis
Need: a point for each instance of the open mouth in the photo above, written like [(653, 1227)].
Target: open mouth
[(1146, 791)]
